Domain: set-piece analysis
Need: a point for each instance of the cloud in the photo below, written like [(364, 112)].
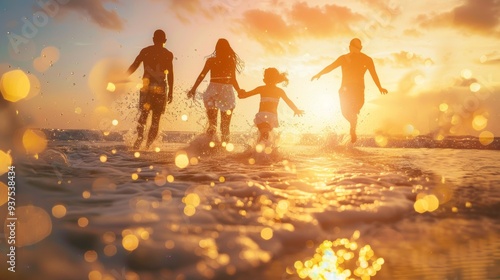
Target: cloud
[(268, 28), (95, 10), (325, 21), (187, 10), (404, 59), (278, 30), (412, 32), (385, 6), (491, 58), (481, 16)]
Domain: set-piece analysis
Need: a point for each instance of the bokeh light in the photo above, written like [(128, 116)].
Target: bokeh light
[(466, 73), (15, 85), (381, 140), (59, 211), (4, 191), (83, 222), (479, 122), (426, 203), (33, 225), (34, 141), (266, 233), (95, 275), (443, 107), (230, 147), (181, 159), (130, 242), (475, 87), (160, 180), (110, 250), (103, 158), (5, 162), (486, 138), (90, 256), (111, 87)]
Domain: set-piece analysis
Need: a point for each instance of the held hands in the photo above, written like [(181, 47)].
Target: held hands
[(241, 93)]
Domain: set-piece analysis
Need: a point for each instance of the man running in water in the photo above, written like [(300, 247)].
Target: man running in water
[(157, 62), (352, 90)]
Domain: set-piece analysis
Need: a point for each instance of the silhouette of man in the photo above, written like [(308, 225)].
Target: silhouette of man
[(157, 62), (352, 90)]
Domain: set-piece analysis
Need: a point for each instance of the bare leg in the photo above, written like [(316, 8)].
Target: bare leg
[(212, 121), (225, 121), (353, 120), (153, 131), (140, 128), (264, 129)]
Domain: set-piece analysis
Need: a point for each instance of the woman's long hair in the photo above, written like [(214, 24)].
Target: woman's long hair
[(226, 54)]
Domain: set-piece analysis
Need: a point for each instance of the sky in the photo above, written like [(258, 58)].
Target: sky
[(439, 60)]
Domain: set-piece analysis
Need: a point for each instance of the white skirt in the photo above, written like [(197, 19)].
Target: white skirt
[(219, 96), (266, 117)]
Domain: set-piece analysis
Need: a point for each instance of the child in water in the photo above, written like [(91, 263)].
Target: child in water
[(267, 117)]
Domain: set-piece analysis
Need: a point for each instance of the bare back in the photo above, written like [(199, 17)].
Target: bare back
[(269, 98), (221, 71), (354, 66), (156, 61)]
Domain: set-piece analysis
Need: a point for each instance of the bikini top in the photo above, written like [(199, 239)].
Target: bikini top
[(269, 99)]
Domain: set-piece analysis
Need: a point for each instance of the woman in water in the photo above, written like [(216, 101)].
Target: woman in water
[(267, 117), (219, 96)]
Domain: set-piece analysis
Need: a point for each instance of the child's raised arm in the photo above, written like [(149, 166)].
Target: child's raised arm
[(296, 111)]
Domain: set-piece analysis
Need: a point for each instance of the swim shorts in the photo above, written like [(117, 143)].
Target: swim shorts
[(351, 100), (266, 117), (153, 98), (219, 96)]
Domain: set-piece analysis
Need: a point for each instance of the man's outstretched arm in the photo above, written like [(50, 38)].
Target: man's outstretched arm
[(327, 69), (373, 73)]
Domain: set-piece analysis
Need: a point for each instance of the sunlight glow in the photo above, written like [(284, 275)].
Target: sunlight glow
[(335, 259)]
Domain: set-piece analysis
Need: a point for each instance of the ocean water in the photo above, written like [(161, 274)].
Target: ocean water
[(92, 208)]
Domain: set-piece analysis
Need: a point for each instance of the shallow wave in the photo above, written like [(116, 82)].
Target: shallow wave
[(244, 214)]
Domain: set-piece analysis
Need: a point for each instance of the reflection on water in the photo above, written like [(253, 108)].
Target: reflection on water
[(111, 213), (340, 260)]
